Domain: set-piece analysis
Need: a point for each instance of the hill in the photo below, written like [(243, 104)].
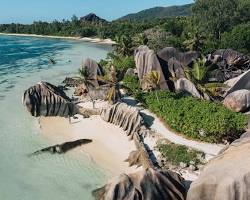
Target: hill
[(160, 12), (92, 18)]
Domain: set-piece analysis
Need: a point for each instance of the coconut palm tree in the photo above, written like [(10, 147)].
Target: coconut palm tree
[(152, 79), (87, 81), (199, 75), (124, 45)]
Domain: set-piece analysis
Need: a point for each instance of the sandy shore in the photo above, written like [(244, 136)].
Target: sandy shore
[(83, 39), (110, 146)]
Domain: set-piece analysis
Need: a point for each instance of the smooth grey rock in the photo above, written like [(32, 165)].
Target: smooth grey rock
[(240, 83), (144, 185), (176, 69), (185, 85), (147, 61), (227, 176), (238, 101), (184, 58)]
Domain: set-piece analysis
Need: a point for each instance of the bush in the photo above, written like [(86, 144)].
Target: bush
[(132, 87), (238, 39), (123, 63), (178, 153), (203, 120)]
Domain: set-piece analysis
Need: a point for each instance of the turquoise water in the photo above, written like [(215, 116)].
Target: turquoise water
[(23, 62)]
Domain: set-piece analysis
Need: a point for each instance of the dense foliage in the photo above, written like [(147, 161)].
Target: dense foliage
[(175, 154), (212, 24), (160, 12), (202, 120)]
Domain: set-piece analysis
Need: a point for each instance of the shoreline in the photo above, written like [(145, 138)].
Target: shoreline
[(83, 39), (110, 146)]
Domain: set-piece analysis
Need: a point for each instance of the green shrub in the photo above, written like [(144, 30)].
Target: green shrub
[(123, 63), (238, 39), (131, 83), (203, 120), (178, 153)]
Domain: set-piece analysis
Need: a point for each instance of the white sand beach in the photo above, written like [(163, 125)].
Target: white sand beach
[(110, 146), (83, 39)]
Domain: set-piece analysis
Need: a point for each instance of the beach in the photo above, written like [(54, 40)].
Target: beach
[(109, 149), (83, 39)]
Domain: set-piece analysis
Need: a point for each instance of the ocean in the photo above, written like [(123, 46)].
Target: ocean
[(24, 62)]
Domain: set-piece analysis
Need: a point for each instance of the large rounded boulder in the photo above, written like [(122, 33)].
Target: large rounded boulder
[(227, 176), (238, 101), (147, 61)]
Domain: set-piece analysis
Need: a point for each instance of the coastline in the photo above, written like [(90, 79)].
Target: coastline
[(83, 39), (110, 146)]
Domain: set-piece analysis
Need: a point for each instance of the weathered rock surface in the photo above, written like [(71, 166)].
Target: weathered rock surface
[(240, 83), (147, 61), (186, 86), (184, 58), (93, 70), (233, 58), (238, 101), (127, 117), (144, 185), (45, 99), (176, 69), (227, 176), (63, 148), (230, 63)]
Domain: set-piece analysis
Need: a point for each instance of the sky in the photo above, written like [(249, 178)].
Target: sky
[(27, 11)]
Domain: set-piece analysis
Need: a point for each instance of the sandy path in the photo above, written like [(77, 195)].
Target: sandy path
[(159, 127)]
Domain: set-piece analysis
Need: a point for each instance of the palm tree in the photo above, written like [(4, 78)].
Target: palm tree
[(124, 45), (87, 81), (153, 78), (194, 42), (199, 75)]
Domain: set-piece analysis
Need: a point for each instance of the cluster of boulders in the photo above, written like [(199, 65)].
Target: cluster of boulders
[(225, 65)]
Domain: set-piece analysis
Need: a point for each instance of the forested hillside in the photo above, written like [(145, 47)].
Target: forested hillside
[(160, 12), (212, 24)]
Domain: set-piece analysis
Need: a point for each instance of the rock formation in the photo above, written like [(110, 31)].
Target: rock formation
[(186, 86), (227, 176), (63, 148), (144, 185), (184, 58), (231, 63), (124, 116), (147, 61), (238, 101), (240, 83), (130, 120), (176, 69), (45, 99), (93, 70)]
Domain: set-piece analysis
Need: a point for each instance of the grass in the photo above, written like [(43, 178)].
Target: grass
[(175, 154)]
